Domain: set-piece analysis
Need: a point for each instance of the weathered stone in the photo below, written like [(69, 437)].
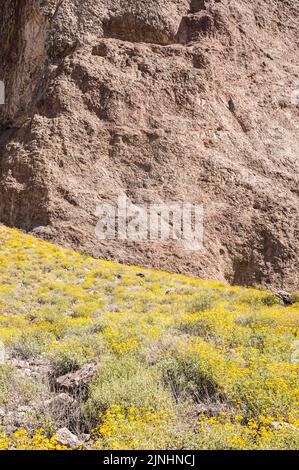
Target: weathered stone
[(66, 438), (286, 298), (78, 379), (61, 400)]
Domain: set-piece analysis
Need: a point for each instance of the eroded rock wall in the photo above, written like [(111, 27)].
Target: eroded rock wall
[(185, 101)]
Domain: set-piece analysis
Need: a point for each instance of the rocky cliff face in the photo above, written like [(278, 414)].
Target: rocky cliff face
[(161, 100)]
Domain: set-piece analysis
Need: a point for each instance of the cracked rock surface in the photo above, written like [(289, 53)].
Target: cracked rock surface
[(164, 101)]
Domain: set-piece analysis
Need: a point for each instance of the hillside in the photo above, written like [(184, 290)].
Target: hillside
[(155, 361), (162, 101)]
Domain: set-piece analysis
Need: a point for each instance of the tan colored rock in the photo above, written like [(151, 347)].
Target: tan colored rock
[(286, 298), (61, 401), (164, 101), (66, 438), (76, 380)]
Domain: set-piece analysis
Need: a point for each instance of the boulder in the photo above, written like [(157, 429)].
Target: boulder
[(77, 380), (66, 438)]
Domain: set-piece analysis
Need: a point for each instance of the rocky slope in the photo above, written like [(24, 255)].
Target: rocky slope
[(161, 100), (107, 356)]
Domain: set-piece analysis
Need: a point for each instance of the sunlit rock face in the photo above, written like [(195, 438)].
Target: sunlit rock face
[(162, 101)]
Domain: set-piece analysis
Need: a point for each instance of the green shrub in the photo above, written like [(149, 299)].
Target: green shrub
[(32, 344), (15, 387), (69, 354), (127, 382), (200, 303), (185, 379)]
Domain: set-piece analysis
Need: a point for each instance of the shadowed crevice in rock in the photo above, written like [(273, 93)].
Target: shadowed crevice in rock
[(198, 5), (129, 28), (193, 27)]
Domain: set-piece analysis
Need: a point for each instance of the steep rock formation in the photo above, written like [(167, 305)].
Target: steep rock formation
[(164, 101)]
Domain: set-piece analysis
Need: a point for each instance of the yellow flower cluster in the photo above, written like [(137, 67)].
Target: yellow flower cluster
[(21, 440), (118, 342), (233, 432), (135, 428)]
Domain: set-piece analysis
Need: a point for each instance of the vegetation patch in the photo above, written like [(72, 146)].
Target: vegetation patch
[(180, 362)]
